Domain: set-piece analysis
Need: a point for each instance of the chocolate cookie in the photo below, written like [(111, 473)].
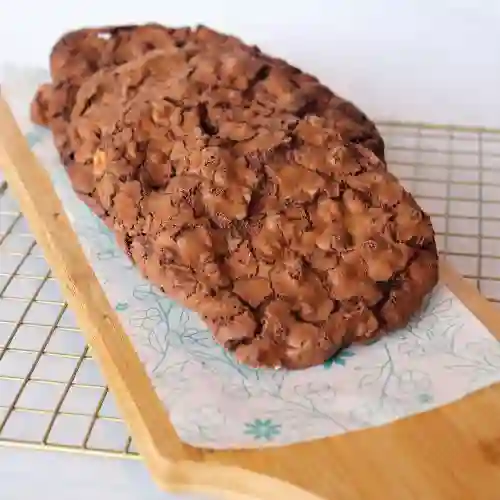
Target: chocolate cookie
[(80, 54), (241, 187), (289, 241)]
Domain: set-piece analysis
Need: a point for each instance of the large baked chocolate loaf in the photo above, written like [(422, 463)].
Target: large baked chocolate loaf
[(242, 187)]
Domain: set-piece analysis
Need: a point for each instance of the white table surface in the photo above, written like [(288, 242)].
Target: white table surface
[(418, 60), (26, 475)]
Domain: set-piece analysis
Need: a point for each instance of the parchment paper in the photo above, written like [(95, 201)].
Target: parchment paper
[(444, 354)]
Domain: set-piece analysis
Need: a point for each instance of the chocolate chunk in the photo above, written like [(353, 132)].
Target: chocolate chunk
[(242, 187)]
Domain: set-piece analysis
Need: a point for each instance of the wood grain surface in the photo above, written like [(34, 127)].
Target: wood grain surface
[(450, 453)]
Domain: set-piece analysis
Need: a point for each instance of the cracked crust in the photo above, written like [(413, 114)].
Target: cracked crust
[(233, 195), (80, 54)]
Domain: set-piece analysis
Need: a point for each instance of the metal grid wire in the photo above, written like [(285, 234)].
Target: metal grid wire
[(455, 175), (51, 391)]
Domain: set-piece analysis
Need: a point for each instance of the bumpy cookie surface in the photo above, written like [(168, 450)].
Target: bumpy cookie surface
[(288, 238), (80, 54)]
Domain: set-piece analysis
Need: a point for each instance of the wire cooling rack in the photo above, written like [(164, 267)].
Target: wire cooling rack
[(51, 391), (455, 175)]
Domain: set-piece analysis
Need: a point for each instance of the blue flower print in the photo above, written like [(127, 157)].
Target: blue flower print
[(425, 398), (338, 359), (263, 429)]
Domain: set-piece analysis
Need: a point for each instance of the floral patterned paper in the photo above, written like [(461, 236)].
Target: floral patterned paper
[(444, 354)]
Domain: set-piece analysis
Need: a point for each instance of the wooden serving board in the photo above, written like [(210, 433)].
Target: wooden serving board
[(450, 453)]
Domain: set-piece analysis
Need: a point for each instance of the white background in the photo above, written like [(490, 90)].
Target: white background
[(420, 60), (427, 60)]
